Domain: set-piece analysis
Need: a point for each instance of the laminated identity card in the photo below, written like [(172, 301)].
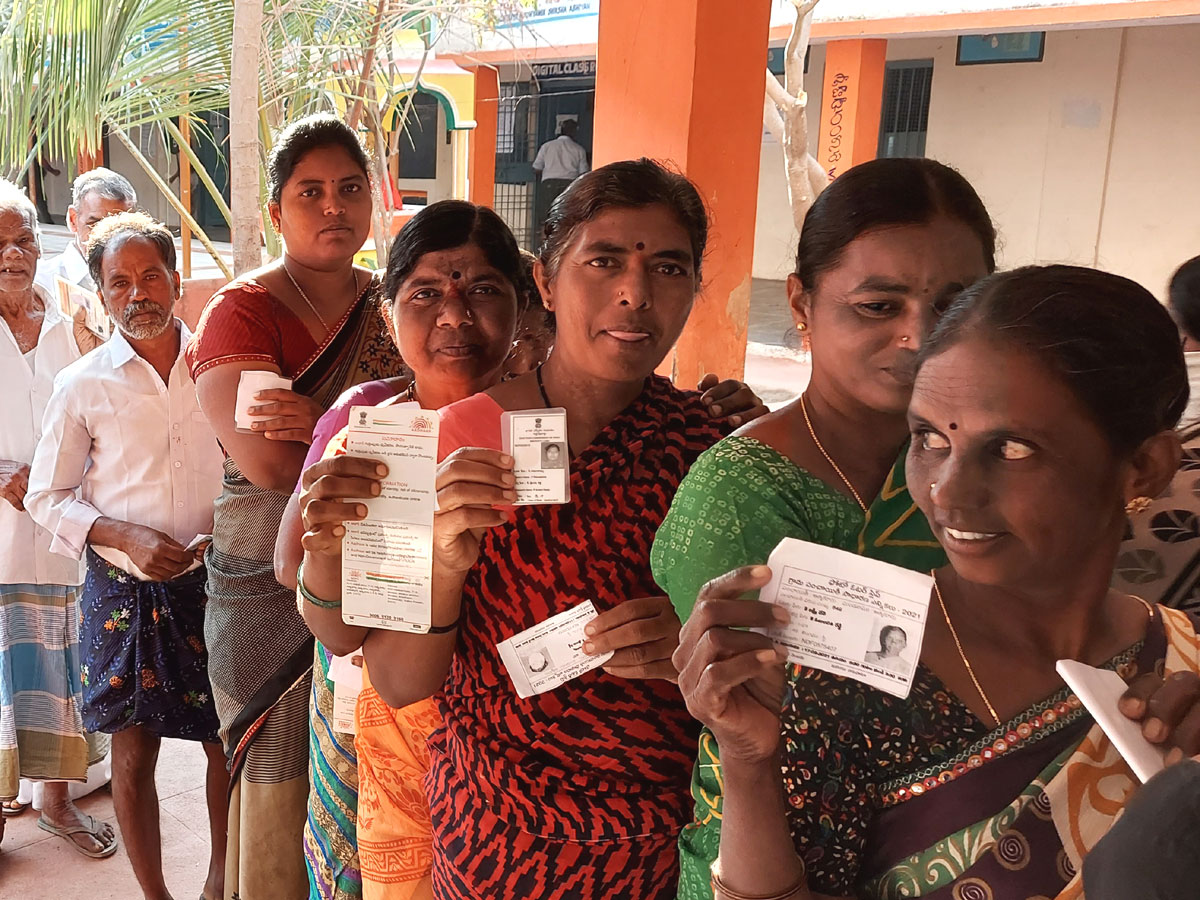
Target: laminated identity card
[(1100, 690), (72, 298), (856, 617), (387, 558), (536, 439), (550, 654)]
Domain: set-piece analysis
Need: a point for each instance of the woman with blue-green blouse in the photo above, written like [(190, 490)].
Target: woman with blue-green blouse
[(882, 251)]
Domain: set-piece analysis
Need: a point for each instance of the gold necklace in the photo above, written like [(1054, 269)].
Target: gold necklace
[(304, 296), (829, 459), (962, 654)]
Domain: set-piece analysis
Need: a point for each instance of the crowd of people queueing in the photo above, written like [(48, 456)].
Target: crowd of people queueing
[(172, 574)]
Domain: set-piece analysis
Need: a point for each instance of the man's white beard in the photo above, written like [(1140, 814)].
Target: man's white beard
[(148, 332)]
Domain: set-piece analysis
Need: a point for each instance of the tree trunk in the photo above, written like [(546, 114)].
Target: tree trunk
[(244, 156), (786, 116)]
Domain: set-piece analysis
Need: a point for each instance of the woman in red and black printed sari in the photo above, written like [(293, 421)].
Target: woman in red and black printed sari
[(580, 791)]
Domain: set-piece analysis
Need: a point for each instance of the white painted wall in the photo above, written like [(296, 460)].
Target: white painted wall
[(1035, 138), (1151, 220)]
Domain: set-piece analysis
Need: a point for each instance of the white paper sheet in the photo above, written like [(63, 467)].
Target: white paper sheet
[(851, 616), (250, 382), (346, 675), (387, 558), (536, 439), (550, 653), (1099, 690)]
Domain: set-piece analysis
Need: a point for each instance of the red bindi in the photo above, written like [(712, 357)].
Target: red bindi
[(456, 275), (640, 246), (954, 426)]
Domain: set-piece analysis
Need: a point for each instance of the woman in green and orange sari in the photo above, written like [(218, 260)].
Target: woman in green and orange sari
[(1043, 414), (881, 248)]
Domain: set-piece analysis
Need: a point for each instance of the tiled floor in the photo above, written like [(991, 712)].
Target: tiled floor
[(35, 865)]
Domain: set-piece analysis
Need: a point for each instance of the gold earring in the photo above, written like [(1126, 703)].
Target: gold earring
[(1137, 506), (802, 327)]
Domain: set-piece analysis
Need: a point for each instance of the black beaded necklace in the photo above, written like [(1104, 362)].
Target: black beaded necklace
[(546, 399)]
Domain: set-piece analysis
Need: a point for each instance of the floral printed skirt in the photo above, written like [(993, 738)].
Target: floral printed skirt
[(143, 656)]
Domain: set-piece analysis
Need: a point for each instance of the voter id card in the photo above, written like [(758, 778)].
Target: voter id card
[(536, 439)]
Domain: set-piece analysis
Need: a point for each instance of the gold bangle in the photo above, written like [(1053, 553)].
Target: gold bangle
[(721, 890)]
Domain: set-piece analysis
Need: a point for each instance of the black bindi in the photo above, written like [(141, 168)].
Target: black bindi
[(456, 275), (640, 246), (954, 426)]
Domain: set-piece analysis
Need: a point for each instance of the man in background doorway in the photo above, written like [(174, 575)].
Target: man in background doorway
[(94, 196), (558, 163)]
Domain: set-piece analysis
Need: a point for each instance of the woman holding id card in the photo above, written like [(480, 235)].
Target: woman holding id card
[(583, 784), (1033, 443), (456, 283)]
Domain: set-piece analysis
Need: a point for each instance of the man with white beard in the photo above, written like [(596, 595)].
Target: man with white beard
[(125, 475)]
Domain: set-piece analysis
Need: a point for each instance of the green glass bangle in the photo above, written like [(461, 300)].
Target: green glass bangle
[(309, 596)]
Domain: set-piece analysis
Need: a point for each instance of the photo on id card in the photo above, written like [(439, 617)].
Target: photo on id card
[(850, 616), (536, 439)]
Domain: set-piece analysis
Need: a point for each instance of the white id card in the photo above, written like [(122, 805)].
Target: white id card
[(1099, 690), (550, 654), (387, 558), (250, 383), (536, 439), (347, 676), (859, 618)]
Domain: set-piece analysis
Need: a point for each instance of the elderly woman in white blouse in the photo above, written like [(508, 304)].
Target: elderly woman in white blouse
[(41, 729)]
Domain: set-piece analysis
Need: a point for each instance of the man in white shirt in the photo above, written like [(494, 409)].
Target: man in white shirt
[(42, 742), (558, 163), (94, 196), (126, 474)]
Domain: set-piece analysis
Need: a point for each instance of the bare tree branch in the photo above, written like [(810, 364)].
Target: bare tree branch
[(785, 115)]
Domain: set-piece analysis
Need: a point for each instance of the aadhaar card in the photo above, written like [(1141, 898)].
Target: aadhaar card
[(855, 617), (536, 439), (550, 654), (387, 558)]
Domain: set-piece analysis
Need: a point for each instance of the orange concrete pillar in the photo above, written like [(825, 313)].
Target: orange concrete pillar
[(851, 103), (481, 161), (682, 81)]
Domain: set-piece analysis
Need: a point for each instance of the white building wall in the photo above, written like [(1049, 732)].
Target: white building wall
[(1151, 220), (1088, 157)]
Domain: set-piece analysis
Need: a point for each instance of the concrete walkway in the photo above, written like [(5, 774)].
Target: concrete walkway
[(36, 865)]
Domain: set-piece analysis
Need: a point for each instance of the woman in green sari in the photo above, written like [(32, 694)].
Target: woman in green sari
[(1042, 417), (881, 248)]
